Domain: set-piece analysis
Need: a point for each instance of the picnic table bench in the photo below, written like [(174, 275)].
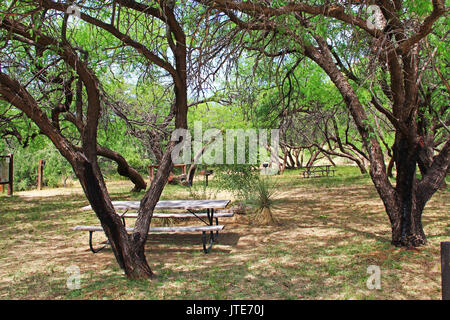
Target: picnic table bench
[(318, 171), (210, 232)]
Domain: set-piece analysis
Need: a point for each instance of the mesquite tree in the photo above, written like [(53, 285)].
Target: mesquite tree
[(145, 31), (299, 100), (389, 43)]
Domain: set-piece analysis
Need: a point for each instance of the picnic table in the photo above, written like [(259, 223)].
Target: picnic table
[(318, 171), (207, 216)]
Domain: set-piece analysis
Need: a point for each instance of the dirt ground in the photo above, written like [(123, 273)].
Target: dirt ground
[(326, 238)]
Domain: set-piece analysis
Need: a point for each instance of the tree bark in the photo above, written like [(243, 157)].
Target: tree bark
[(407, 220), (123, 168), (134, 265)]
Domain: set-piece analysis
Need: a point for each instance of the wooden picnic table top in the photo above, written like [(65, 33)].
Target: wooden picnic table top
[(171, 204), (316, 166)]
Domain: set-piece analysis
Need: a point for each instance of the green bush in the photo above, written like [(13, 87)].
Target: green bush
[(57, 170), (251, 189), (237, 179), (247, 184), (26, 162), (25, 169)]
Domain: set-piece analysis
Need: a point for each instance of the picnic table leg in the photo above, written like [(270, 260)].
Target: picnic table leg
[(211, 218), (306, 173), (207, 243), (123, 217), (92, 247)]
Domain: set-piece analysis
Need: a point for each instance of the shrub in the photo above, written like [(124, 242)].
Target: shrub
[(237, 179), (252, 189)]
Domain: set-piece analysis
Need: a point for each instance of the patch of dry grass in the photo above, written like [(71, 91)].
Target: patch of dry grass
[(329, 231)]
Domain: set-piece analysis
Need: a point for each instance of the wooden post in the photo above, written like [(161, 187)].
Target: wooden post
[(445, 269), (11, 175), (40, 175)]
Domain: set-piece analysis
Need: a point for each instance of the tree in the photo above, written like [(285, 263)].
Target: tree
[(44, 29), (340, 37), (299, 99)]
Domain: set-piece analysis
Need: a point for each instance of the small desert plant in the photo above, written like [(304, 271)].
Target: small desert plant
[(261, 197), (250, 189)]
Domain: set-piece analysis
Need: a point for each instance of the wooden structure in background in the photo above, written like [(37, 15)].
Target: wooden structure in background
[(152, 167), (40, 174), (7, 172)]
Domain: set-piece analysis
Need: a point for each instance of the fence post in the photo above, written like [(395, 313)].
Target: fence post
[(11, 175), (445, 269), (39, 186)]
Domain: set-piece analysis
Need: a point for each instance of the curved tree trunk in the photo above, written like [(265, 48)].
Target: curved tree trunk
[(128, 257), (85, 166), (361, 166), (398, 201), (191, 174), (291, 159), (123, 168), (390, 168), (193, 166), (129, 250)]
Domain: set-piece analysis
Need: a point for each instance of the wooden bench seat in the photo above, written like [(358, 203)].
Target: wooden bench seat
[(207, 243), (181, 229)]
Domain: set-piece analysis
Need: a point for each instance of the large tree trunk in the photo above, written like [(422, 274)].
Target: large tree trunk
[(129, 258), (148, 203), (151, 198), (401, 203), (407, 227), (405, 208)]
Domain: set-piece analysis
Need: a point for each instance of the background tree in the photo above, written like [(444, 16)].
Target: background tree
[(45, 30), (339, 39), (298, 98)]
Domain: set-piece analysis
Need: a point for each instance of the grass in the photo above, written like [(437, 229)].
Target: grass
[(330, 230)]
